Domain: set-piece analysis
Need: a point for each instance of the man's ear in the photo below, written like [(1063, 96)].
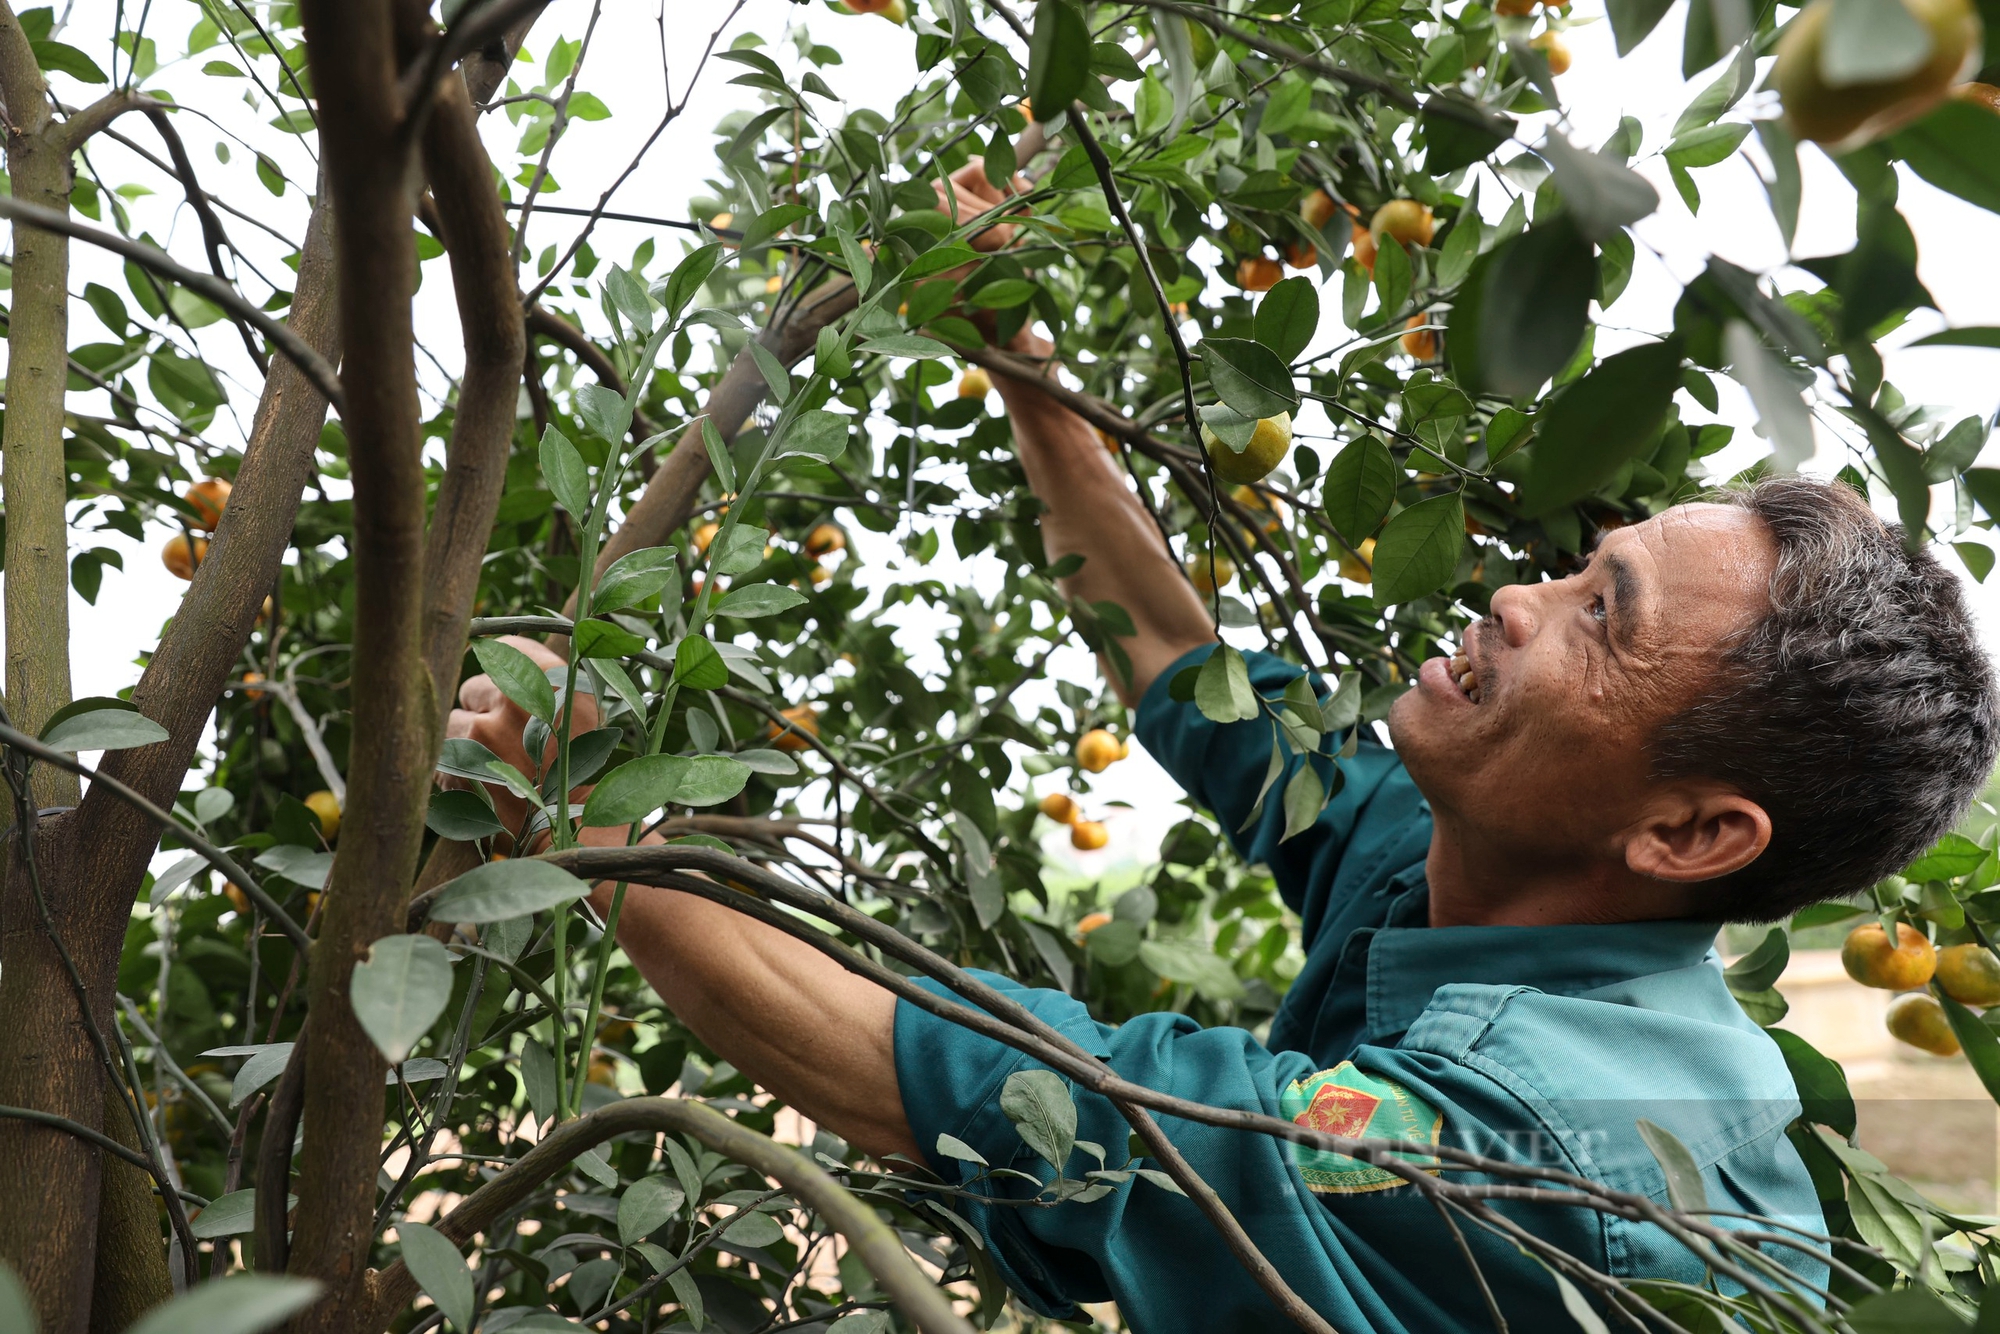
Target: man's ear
[(1699, 833)]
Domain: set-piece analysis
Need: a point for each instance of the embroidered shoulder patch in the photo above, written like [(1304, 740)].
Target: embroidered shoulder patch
[(1351, 1102)]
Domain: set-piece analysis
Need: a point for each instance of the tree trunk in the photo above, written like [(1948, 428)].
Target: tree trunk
[(50, 1179), (132, 1275), (365, 145), (35, 477)]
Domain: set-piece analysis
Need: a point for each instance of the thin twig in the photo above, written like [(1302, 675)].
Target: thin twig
[(301, 354)]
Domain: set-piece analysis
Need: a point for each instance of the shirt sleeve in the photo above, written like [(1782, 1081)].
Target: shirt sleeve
[(1367, 1257), (1223, 765)]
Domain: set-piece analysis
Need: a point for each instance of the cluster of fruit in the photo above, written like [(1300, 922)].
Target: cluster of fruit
[(821, 542), (185, 550), (1969, 974), (1096, 751)]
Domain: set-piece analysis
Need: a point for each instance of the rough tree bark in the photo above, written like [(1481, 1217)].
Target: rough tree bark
[(478, 242), (52, 1181), (351, 49)]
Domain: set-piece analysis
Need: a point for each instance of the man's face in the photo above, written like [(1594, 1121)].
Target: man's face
[(1545, 758)]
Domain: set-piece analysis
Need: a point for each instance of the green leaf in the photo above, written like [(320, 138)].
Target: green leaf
[(1038, 1102), (1287, 318), (950, 1146), (748, 1227), (1785, 183), (1978, 558), (1760, 969), (1392, 277), (1707, 146), (1222, 690), (772, 221), (1908, 1311), (228, 1215), (646, 1205), (601, 639), (1598, 423), (718, 453), (629, 295), (1603, 195), (633, 578), (498, 891), (641, 786), (1458, 132), (906, 345), (1305, 795), (1685, 1189), (1950, 857), (1971, 336), (1004, 294), (538, 1079), (1058, 58), (939, 259), (461, 816), (102, 728), (754, 600), (59, 58), (1359, 488), (1822, 1084), (519, 679), (398, 992), (1632, 20), (438, 1269), (698, 666), (688, 277), (1782, 415), (1418, 550), (817, 434), (608, 416), (1530, 303), (242, 1304), (688, 1293), (1957, 149), (1249, 376)]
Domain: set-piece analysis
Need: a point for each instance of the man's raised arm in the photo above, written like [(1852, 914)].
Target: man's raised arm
[(1092, 512), (1091, 509)]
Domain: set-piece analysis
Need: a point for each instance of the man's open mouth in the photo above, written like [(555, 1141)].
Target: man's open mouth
[(1465, 676)]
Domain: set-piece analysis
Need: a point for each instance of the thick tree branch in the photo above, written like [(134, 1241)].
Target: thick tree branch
[(877, 1245), (475, 235), (72, 133), (301, 353), (352, 51), (221, 860)]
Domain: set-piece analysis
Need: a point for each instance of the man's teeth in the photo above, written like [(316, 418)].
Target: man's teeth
[(1467, 678)]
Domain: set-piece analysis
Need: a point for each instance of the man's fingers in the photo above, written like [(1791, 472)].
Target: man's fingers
[(479, 695)]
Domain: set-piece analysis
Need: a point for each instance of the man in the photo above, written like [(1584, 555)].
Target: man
[(1734, 710)]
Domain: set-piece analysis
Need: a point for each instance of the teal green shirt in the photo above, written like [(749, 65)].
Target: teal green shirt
[(1532, 1044)]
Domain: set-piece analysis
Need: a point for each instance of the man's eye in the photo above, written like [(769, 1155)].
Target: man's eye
[(1597, 611)]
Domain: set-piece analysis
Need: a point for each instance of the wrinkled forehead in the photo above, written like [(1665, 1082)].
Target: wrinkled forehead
[(1699, 572)]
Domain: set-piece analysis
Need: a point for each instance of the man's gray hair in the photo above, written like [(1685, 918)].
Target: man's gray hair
[(1859, 712)]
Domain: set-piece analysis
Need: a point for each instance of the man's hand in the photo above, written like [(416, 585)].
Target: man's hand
[(496, 722), (971, 194), (775, 1008)]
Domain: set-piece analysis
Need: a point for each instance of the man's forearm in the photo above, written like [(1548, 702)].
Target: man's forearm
[(796, 1022), (1092, 512)]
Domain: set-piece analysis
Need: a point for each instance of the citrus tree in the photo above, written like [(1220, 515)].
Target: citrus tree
[(334, 1060)]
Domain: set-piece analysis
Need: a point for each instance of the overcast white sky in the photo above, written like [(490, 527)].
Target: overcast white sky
[(624, 69)]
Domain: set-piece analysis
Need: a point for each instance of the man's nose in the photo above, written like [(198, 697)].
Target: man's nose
[(1513, 612)]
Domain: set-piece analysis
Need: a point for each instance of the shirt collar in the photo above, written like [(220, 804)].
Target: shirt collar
[(1408, 961)]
